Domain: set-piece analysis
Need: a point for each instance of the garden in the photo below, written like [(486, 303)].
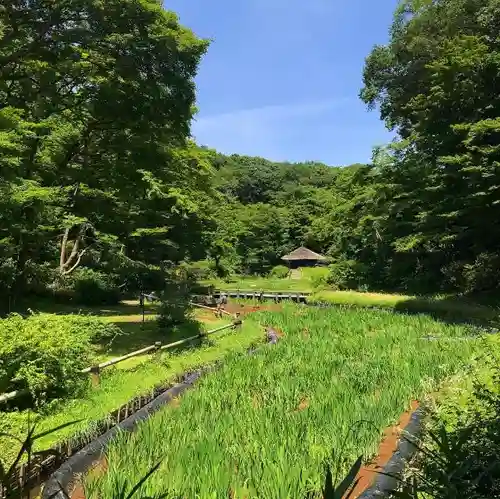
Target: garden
[(264, 425), (44, 353), (261, 425), (107, 195)]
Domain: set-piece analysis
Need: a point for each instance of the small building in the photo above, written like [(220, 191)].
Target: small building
[(304, 257)]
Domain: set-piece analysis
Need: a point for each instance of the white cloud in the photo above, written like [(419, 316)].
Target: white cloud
[(275, 112), (260, 129)]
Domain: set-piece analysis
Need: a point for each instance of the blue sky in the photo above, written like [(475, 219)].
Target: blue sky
[(281, 77)]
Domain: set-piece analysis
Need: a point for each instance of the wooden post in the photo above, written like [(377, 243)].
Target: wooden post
[(22, 472), (237, 321), (142, 307), (95, 373)]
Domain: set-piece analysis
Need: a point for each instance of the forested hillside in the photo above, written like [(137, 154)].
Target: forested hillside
[(101, 187), (424, 217)]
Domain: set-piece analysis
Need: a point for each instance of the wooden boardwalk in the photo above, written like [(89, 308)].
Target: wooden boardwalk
[(299, 297)]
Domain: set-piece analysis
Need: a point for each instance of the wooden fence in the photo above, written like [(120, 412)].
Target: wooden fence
[(30, 475), (96, 369), (300, 297)]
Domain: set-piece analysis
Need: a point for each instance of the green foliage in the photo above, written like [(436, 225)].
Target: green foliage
[(459, 455), (420, 218), (87, 286), (317, 275), (8, 477), (201, 270), (175, 298), (44, 353), (96, 166), (344, 274), (118, 386), (436, 191), (263, 425), (24, 451), (141, 277), (279, 272)]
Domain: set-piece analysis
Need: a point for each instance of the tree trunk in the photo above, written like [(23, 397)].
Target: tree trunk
[(68, 264)]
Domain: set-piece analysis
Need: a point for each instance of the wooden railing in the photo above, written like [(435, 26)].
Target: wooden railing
[(30, 475), (96, 369)]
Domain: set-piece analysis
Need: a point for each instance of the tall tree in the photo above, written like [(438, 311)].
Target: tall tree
[(96, 100), (435, 83)]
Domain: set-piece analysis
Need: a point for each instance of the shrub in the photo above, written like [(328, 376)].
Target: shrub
[(345, 274), (483, 274), (146, 278), (459, 454), (175, 299), (279, 272), (87, 286), (44, 352), (201, 270), (317, 275)]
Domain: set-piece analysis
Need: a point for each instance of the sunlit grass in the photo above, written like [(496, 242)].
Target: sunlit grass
[(263, 284), (445, 306), (263, 424), (123, 382)]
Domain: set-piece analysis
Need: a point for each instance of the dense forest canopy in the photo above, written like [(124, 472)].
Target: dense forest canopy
[(100, 182)]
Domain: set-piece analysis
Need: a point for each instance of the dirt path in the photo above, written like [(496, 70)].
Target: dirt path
[(386, 449), (98, 469), (232, 308)]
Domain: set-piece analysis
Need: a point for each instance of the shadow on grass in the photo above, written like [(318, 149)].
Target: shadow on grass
[(126, 307), (454, 310), (137, 335), (475, 309)]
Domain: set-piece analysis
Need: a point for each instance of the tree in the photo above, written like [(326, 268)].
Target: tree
[(435, 85), (96, 101)]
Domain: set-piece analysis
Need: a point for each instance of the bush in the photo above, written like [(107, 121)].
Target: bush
[(87, 286), (44, 352), (201, 270), (146, 278), (483, 274), (345, 274), (459, 455), (175, 305), (279, 272), (317, 275)]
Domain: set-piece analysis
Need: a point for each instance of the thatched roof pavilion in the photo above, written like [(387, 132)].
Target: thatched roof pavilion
[(303, 257)]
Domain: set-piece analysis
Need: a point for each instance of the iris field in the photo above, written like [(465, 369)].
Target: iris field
[(264, 424)]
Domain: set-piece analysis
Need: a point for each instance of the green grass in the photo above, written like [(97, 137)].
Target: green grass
[(307, 283), (481, 308), (447, 307), (456, 396), (123, 382), (138, 334), (262, 283), (263, 424)]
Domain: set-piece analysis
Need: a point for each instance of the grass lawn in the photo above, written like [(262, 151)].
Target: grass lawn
[(139, 334), (262, 284), (308, 281), (263, 424), (124, 381), (445, 307), (481, 308)]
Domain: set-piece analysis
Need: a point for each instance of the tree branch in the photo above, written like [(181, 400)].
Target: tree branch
[(74, 252), (66, 272)]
